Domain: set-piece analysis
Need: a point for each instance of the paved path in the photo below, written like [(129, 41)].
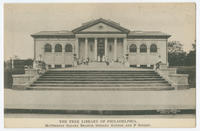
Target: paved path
[(100, 100)]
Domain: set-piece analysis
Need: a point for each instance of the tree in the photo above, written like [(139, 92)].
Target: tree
[(191, 56), (8, 80), (175, 47), (176, 54)]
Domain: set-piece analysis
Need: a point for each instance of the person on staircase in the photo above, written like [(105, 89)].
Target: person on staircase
[(106, 60), (157, 65)]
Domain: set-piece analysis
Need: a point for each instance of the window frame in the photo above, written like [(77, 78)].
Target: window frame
[(67, 49), (143, 48), (135, 47), (47, 49), (56, 50), (156, 49)]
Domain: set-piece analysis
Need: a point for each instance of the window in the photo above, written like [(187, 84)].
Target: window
[(47, 48), (153, 48), (58, 48), (143, 48), (68, 66), (133, 48), (68, 48), (58, 66)]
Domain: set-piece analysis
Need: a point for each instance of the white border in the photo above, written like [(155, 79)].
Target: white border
[(100, 1)]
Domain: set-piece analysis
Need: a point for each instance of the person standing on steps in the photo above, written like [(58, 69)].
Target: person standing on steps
[(157, 66)]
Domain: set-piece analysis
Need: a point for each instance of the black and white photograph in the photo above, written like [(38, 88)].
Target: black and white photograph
[(99, 65)]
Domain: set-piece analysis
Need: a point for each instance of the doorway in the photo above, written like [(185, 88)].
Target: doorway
[(100, 49)]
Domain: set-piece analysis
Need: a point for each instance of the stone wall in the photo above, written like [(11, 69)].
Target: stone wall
[(25, 80), (178, 81)]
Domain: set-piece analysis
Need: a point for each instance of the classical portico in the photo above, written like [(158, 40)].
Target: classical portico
[(101, 40), (96, 48)]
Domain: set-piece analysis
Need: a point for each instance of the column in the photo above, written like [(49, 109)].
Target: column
[(125, 46), (53, 53), (106, 43), (115, 49), (77, 48), (86, 48), (138, 51), (95, 49), (63, 55)]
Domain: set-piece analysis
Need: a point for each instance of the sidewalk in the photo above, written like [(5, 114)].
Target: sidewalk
[(99, 100)]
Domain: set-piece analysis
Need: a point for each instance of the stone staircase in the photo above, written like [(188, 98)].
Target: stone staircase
[(134, 80)]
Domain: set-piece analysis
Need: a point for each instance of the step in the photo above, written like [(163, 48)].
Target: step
[(106, 76), (110, 74), (90, 71), (136, 72), (100, 74), (96, 82), (101, 70), (157, 88), (97, 85), (102, 79)]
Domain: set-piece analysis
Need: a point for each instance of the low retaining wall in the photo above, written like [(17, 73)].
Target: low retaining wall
[(178, 81), (25, 80)]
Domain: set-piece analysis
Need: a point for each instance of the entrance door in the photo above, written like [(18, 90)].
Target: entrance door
[(100, 49)]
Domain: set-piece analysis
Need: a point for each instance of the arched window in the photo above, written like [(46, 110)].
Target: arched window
[(133, 48), (153, 48), (68, 48), (47, 48), (143, 48), (58, 48)]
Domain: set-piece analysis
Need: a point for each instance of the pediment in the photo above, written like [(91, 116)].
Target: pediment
[(101, 27)]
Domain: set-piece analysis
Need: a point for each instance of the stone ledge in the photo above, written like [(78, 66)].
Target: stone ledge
[(22, 75), (181, 87), (178, 81), (20, 86), (179, 75), (23, 81)]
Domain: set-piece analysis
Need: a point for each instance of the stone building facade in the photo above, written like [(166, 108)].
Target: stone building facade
[(99, 41)]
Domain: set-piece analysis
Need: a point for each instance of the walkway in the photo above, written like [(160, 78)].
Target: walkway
[(100, 100)]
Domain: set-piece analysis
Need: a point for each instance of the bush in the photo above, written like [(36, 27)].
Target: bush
[(8, 80)]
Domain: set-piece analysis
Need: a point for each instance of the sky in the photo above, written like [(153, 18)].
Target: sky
[(22, 20)]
